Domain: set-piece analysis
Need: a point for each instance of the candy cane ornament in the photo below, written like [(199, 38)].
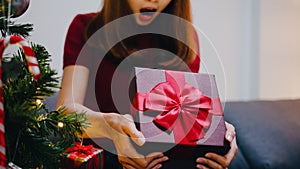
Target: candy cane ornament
[(33, 69)]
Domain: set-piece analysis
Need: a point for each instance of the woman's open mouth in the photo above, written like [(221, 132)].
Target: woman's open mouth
[(146, 14)]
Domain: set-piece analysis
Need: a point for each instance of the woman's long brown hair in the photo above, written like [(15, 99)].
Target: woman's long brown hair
[(120, 8)]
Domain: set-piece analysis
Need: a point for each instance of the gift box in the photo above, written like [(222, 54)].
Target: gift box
[(180, 114), (83, 157)]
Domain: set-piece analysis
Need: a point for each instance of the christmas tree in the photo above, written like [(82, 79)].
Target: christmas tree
[(35, 136)]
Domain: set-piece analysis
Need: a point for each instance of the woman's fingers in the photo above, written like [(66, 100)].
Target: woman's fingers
[(201, 166), (131, 130), (209, 162), (230, 132), (127, 166), (127, 153), (213, 161), (217, 161), (124, 129), (233, 150), (155, 159), (231, 137), (122, 125), (152, 161), (136, 163)]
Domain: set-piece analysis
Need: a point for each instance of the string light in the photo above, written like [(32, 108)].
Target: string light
[(38, 102), (60, 124)]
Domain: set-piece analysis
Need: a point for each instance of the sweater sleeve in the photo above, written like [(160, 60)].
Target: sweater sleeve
[(75, 40), (195, 64)]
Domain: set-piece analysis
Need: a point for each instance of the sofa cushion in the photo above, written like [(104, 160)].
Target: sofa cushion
[(268, 133), (239, 162)]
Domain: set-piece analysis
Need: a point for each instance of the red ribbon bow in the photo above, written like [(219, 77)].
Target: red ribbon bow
[(80, 154), (183, 108), (80, 148)]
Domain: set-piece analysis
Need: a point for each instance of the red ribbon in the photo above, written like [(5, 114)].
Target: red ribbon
[(80, 154), (184, 109)]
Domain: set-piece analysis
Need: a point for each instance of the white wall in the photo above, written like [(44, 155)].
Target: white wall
[(279, 49), (51, 19), (259, 44), (257, 41), (222, 22)]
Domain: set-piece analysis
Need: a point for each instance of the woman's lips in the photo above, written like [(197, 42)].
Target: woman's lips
[(144, 17)]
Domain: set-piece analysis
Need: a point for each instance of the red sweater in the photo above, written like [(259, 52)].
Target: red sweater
[(106, 86)]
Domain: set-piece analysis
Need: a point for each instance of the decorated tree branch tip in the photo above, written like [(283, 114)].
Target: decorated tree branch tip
[(31, 135), (33, 69)]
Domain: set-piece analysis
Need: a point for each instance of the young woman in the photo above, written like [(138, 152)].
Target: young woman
[(88, 77)]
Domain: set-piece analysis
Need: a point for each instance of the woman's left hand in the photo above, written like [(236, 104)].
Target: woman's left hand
[(217, 161)]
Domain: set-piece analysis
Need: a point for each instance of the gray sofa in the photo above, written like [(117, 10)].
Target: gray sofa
[(268, 133)]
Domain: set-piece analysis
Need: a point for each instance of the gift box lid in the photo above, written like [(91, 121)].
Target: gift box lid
[(187, 89)]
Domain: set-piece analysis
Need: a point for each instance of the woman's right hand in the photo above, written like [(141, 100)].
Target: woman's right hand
[(121, 129)]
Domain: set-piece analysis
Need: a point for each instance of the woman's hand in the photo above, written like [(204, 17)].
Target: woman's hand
[(153, 160), (122, 129), (220, 162), (119, 128)]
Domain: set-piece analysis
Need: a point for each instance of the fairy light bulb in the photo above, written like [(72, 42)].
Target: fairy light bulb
[(60, 124), (38, 102)]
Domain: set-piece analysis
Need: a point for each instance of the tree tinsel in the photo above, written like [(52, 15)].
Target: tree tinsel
[(35, 135)]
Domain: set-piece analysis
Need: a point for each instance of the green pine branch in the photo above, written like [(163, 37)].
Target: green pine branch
[(14, 28), (48, 140), (19, 86), (34, 138), (9, 27)]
